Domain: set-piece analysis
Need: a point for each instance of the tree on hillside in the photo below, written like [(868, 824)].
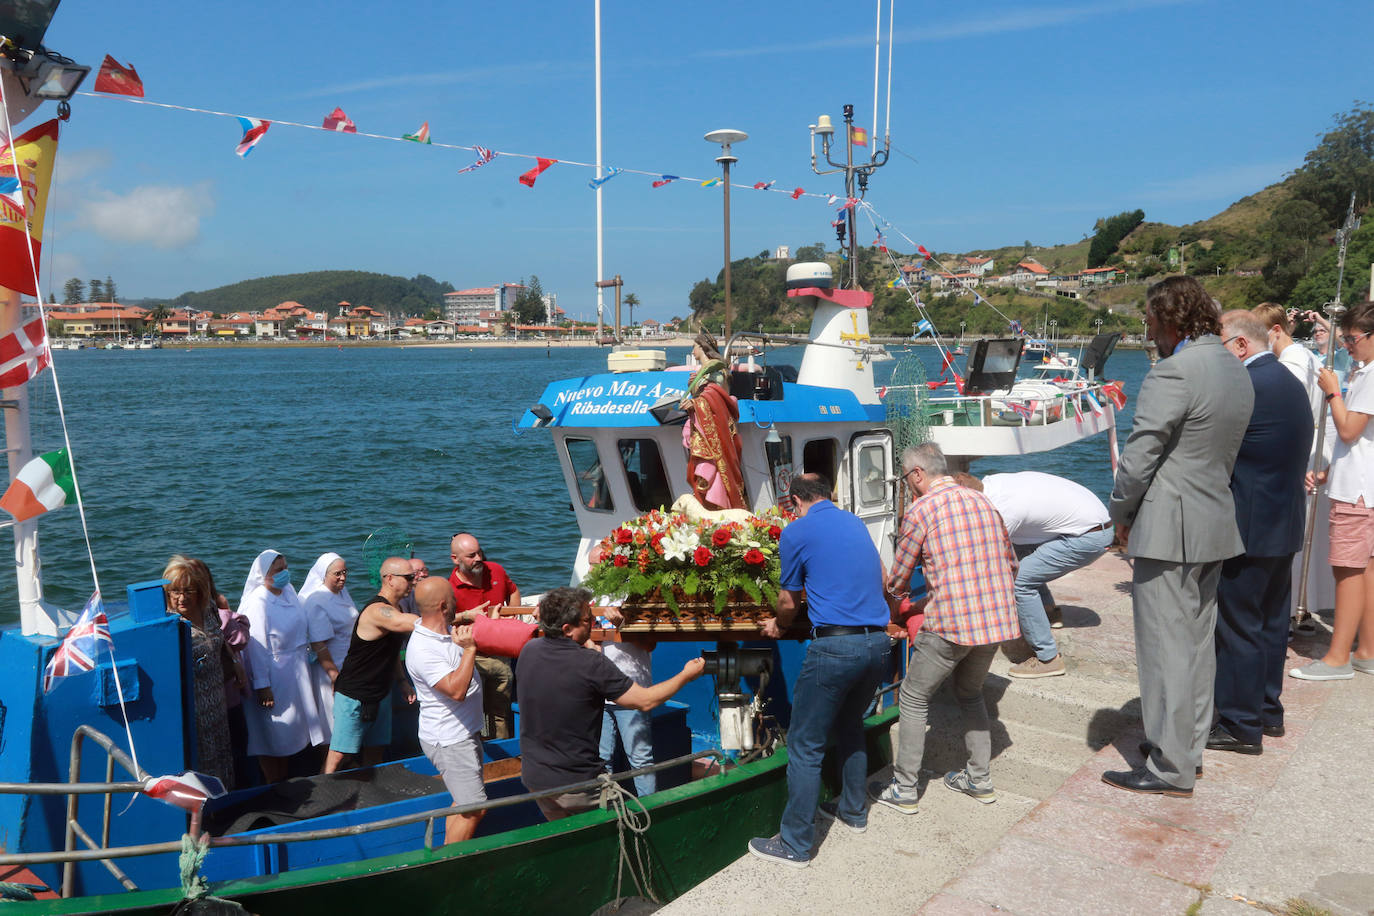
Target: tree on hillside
[(814, 252), (73, 292), (97, 291), (110, 291), (1110, 232), (1318, 287), (1342, 162)]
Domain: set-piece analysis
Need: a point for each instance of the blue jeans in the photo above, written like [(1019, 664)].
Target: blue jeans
[(1044, 563), (836, 684), (636, 735)]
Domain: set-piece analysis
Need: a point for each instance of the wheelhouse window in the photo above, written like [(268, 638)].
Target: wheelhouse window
[(645, 473), (818, 457), (872, 479), (588, 474)]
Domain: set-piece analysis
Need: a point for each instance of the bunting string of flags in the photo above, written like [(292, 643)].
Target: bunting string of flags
[(666, 179), (484, 156), (253, 131), (420, 136), (611, 172), (80, 648), (533, 174), (23, 354), (336, 120)]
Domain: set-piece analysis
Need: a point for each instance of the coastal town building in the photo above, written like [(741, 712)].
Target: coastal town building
[(978, 266), (466, 306)]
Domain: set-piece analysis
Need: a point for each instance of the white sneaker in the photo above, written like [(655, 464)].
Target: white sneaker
[(892, 797)]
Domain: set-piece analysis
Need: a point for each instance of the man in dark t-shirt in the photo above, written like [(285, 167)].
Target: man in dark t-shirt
[(562, 687)]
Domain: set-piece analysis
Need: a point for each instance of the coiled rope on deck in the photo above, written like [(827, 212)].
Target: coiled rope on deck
[(615, 797)]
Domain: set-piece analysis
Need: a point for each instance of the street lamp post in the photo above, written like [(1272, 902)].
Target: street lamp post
[(725, 137)]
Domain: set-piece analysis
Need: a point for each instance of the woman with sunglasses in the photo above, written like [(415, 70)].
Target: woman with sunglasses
[(329, 616), (1350, 480)]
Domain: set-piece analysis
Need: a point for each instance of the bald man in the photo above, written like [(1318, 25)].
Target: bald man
[(479, 584), (441, 660), (362, 694)]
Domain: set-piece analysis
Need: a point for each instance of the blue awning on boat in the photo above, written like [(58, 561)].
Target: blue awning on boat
[(623, 399)]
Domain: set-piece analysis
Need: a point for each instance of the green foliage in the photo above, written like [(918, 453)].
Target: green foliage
[(322, 290), (111, 293), (97, 291), (73, 292), (529, 304), (1110, 232), (1342, 162), (1318, 287)]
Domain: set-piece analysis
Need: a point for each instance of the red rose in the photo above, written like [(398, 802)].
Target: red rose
[(702, 556), (774, 532), (755, 557), (620, 560), (623, 535), (720, 537)]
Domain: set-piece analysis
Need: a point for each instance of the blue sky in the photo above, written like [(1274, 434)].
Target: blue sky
[(1014, 121)]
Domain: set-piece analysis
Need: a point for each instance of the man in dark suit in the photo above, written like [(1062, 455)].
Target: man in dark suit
[(1173, 509), (1254, 592)]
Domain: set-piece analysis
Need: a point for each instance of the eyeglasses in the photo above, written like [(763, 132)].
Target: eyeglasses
[(409, 577), (1231, 338), (1351, 339)]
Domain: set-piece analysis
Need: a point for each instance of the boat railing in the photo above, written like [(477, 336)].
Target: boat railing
[(104, 853), (978, 409)]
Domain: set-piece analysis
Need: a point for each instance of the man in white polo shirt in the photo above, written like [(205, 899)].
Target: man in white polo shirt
[(441, 659), (1056, 526)]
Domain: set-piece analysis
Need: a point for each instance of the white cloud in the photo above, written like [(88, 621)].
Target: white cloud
[(76, 165), (1021, 20), (165, 216)]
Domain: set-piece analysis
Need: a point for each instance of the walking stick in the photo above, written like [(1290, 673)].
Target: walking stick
[(1334, 311)]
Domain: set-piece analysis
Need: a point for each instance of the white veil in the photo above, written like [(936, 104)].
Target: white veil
[(258, 576), (314, 581)]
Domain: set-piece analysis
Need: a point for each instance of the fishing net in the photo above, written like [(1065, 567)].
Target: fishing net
[(906, 399), (387, 541)]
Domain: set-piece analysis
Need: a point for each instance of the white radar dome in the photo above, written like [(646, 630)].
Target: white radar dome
[(810, 273)]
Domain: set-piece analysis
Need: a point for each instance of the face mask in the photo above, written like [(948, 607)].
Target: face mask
[(282, 579)]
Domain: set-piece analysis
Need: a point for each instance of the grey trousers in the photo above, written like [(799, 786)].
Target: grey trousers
[(1175, 610), (933, 659)]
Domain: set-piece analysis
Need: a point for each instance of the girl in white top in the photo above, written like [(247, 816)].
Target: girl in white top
[(1351, 489), (329, 616), (283, 717)]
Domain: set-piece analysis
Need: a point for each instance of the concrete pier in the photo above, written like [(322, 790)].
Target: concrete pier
[(1292, 824)]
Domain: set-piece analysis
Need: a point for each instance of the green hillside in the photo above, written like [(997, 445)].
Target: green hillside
[(323, 289)]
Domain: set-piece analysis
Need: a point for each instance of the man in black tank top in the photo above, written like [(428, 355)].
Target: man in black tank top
[(362, 707)]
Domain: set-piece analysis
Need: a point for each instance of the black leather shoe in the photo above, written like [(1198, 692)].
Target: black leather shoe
[(1219, 739), (1142, 780), (1273, 731), (1147, 746)]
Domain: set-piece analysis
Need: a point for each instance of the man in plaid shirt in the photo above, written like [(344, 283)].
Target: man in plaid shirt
[(970, 570)]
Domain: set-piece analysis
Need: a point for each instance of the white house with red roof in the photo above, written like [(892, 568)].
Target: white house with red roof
[(978, 265)]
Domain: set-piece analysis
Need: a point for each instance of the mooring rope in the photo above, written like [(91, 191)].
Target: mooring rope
[(616, 798)]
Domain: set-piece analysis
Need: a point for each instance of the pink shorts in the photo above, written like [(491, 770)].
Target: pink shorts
[(1352, 534)]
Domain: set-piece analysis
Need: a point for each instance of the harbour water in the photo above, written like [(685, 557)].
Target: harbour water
[(222, 453)]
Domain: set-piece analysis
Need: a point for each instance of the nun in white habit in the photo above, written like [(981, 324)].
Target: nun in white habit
[(329, 616), (282, 717)]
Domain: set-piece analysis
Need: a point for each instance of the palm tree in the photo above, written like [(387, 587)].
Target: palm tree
[(631, 301)]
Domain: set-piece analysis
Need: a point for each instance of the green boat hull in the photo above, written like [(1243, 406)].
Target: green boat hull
[(567, 866)]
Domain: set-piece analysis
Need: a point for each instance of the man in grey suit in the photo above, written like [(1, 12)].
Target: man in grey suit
[(1173, 509)]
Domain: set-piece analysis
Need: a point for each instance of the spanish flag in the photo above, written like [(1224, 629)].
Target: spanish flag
[(21, 210), (858, 136)]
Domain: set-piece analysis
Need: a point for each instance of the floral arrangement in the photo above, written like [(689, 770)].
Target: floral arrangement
[(662, 553)]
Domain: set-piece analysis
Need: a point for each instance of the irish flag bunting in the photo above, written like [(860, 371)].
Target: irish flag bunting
[(23, 354), (44, 484), (420, 136)]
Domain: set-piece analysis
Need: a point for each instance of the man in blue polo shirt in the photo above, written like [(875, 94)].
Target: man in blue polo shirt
[(828, 557)]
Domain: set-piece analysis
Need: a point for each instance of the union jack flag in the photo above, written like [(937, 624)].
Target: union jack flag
[(1026, 410), (81, 645), (484, 156)]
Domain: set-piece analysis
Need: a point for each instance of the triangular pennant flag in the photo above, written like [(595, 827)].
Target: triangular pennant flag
[(797, 193), (598, 182), (830, 201), (666, 179), (763, 185), (337, 120), (540, 165), (23, 354), (921, 250), (710, 182), (484, 156), (253, 131), (44, 484), (189, 791), (21, 209), (80, 648), (118, 80), (420, 136)]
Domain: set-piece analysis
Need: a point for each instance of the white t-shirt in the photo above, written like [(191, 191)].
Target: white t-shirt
[(632, 661), (1038, 507), (431, 657), (1352, 463)]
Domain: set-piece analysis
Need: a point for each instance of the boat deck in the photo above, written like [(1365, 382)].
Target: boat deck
[(1291, 823)]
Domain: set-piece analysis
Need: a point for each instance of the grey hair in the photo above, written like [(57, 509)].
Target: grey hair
[(927, 456), (1243, 323)]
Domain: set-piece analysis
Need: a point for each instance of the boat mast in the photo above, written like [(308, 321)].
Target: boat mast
[(600, 250)]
